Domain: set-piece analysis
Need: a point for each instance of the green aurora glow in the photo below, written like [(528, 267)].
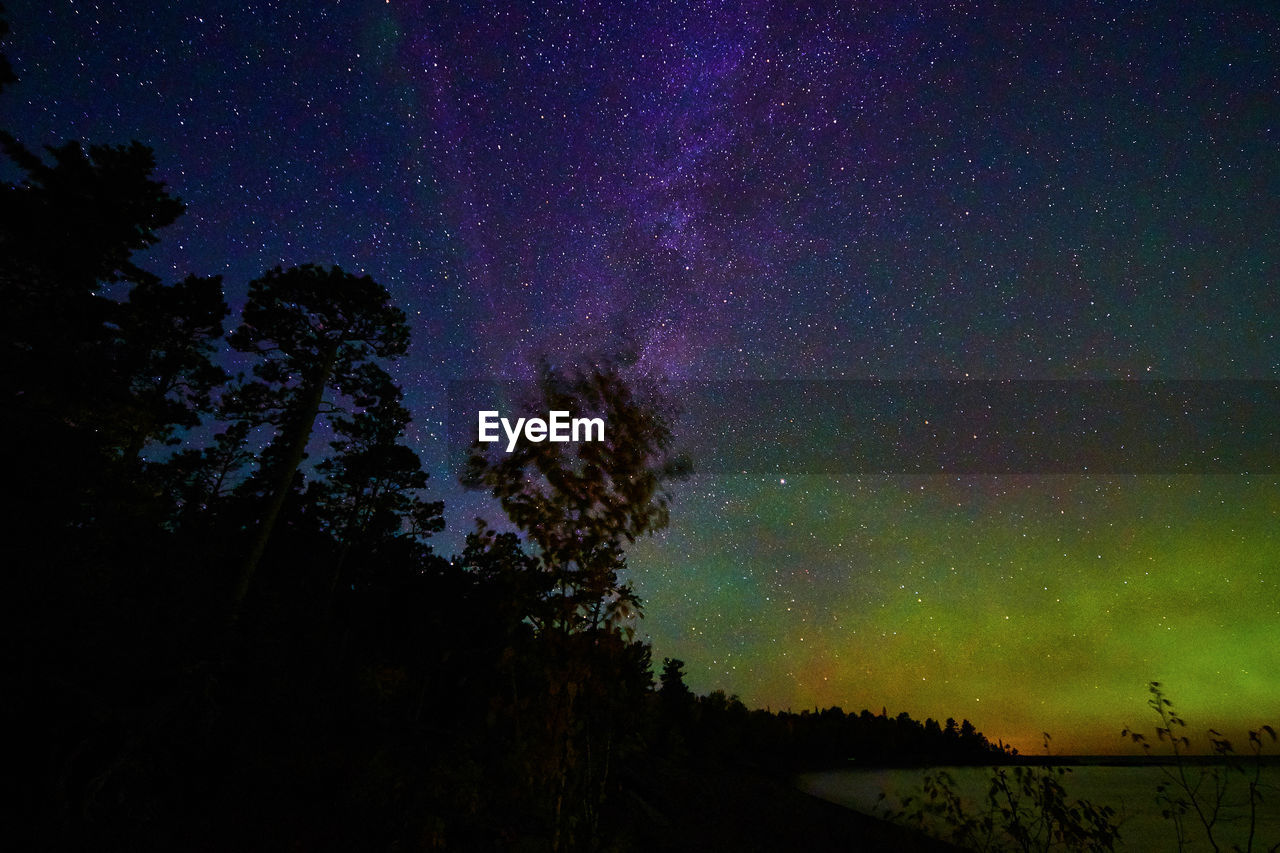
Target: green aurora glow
[(1026, 604)]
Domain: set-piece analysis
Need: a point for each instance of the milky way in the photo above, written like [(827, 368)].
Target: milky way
[(761, 190)]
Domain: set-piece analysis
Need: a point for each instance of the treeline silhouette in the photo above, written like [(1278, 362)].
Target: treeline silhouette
[(220, 641), (722, 727)]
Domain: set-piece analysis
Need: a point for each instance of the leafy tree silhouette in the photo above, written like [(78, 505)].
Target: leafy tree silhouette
[(166, 339), (315, 330), (371, 491), (671, 680), (79, 377), (198, 480), (66, 228), (579, 504), (78, 221)]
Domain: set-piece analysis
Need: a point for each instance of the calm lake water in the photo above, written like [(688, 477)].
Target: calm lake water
[(1129, 790)]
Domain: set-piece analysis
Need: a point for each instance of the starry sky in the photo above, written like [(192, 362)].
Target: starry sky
[(781, 191)]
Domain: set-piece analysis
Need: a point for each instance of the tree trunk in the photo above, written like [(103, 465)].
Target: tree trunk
[(310, 409)]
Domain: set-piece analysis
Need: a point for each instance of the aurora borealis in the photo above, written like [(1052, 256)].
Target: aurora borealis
[(780, 191), (1027, 604)]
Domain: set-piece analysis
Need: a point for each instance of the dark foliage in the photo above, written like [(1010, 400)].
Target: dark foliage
[(369, 693)]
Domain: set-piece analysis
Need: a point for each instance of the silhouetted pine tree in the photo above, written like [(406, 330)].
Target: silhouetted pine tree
[(315, 330)]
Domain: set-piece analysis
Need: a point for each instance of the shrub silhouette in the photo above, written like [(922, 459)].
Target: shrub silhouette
[(1201, 794)]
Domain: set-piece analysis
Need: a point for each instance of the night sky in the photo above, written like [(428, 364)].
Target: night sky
[(755, 190)]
